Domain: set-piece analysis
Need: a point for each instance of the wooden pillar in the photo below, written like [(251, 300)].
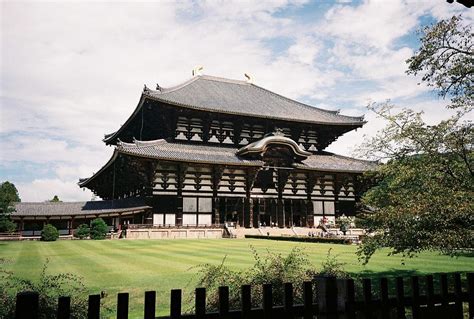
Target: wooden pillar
[(337, 188), (119, 226), (304, 213), (70, 228), (280, 212), (282, 177), (22, 226), (309, 213), (251, 175), (181, 174), (248, 213), (217, 172), (255, 213), (215, 210)]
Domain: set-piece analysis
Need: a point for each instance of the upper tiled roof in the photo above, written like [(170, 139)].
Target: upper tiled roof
[(241, 98), (79, 208)]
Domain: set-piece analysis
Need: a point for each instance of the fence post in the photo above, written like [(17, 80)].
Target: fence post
[(458, 296), (175, 305), (415, 287), (331, 297), (200, 302), (246, 300), (288, 300), (367, 288), (27, 305), (400, 297), (308, 300), (267, 301), (122, 305), (64, 307), (430, 295), (443, 281), (223, 301), (470, 291), (150, 304), (350, 299), (384, 298), (93, 309)]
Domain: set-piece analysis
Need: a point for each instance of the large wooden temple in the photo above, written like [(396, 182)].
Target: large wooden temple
[(214, 150)]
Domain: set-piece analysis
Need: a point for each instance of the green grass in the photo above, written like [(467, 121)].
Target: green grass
[(135, 266)]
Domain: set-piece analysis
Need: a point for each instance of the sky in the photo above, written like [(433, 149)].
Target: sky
[(72, 71)]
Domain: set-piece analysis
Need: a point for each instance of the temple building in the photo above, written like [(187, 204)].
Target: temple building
[(212, 151)]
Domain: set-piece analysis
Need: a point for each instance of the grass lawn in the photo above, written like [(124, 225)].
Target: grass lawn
[(135, 266)]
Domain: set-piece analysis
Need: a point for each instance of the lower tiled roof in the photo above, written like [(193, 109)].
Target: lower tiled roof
[(79, 208), (161, 149)]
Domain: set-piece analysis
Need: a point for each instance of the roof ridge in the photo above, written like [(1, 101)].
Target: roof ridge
[(221, 79), (175, 87), (335, 112)]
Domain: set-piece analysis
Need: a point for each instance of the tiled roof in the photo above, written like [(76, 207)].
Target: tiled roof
[(332, 162), (241, 98), (79, 208), (160, 149)]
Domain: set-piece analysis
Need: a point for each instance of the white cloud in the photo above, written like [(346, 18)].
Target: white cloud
[(40, 190), (73, 71)]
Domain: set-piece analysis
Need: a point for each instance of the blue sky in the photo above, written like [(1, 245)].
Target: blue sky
[(73, 71)]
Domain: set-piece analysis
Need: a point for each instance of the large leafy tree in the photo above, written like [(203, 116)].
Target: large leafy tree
[(8, 196), (423, 198), (446, 60)]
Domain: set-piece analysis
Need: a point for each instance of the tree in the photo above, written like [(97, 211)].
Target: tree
[(49, 233), (99, 229), (423, 196), (8, 196), (55, 199), (446, 59)]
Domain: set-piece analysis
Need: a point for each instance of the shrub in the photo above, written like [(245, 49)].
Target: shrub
[(6, 225), (331, 267), (271, 268), (99, 229), (49, 233), (83, 231), (304, 239), (49, 288)]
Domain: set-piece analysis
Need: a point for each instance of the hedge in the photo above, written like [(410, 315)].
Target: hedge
[(304, 239)]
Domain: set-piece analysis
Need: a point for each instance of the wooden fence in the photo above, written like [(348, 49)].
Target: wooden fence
[(323, 298)]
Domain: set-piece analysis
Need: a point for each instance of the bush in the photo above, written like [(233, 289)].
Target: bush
[(271, 268), (332, 267), (49, 233), (304, 239), (6, 225), (49, 288), (99, 229), (83, 231)]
